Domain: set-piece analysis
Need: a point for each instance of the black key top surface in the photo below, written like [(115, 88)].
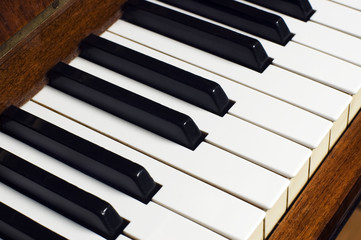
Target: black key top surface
[(300, 9), (208, 37), (240, 16), (61, 196), (134, 108), (16, 226), (97, 162), (154, 73)]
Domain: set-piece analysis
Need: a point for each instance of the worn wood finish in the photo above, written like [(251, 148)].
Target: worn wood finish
[(326, 200), (15, 14), (22, 71)]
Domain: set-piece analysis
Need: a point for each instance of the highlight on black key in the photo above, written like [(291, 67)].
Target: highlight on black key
[(89, 158), (174, 81), (197, 33), (60, 196)]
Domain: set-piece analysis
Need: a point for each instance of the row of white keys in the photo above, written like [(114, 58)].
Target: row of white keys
[(265, 111), (181, 193), (208, 163), (337, 16), (188, 196), (333, 72), (292, 88), (235, 135), (322, 38), (355, 4)]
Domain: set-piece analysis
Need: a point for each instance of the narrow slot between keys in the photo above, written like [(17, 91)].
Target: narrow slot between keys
[(80, 154), (61, 196)]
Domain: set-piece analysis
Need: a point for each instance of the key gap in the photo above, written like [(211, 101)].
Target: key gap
[(244, 157), (341, 4), (230, 79), (337, 29), (154, 157), (270, 130), (345, 60), (309, 77), (189, 218)]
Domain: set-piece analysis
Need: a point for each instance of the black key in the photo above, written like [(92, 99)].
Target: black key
[(300, 9), (197, 33), (16, 226), (61, 196), (80, 154), (162, 76), (120, 102), (240, 16)]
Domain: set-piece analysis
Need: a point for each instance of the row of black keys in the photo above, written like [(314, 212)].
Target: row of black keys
[(126, 176), (217, 40)]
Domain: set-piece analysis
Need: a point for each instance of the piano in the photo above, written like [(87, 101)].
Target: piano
[(319, 198)]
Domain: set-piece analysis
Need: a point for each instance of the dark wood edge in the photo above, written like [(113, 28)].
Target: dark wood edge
[(23, 69), (330, 195)]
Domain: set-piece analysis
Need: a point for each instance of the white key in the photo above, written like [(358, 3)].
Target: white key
[(322, 38), (253, 106), (185, 195), (284, 85), (203, 163), (355, 4), (268, 150), (336, 16), (45, 216), (332, 72), (147, 221)]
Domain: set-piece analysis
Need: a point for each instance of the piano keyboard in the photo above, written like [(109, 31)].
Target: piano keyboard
[(244, 168)]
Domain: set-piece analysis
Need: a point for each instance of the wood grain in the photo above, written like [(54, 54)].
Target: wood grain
[(330, 195), (15, 14), (22, 71)]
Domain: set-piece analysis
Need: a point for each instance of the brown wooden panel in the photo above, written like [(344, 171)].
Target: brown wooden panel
[(327, 198), (15, 14), (23, 69)]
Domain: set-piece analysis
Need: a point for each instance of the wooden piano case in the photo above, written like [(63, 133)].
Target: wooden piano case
[(51, 32)]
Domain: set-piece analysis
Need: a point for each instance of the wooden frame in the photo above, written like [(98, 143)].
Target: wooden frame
[(322, 206)]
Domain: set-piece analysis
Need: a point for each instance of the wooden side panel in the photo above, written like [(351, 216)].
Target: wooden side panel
[(22, 70), (15, 14), (331, 193)]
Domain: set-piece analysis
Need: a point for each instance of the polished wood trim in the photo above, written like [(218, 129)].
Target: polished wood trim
[(330, 195), (22, 70), (15, 14)]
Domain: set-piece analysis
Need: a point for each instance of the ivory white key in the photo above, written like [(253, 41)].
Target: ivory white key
[(275, 155), (147, 221), (45, 216), (337, 16), (190, 197), (356, 4), (248, 102), (322, 38), (332, 72), (265, 111), (292, 88), (204, 162)]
